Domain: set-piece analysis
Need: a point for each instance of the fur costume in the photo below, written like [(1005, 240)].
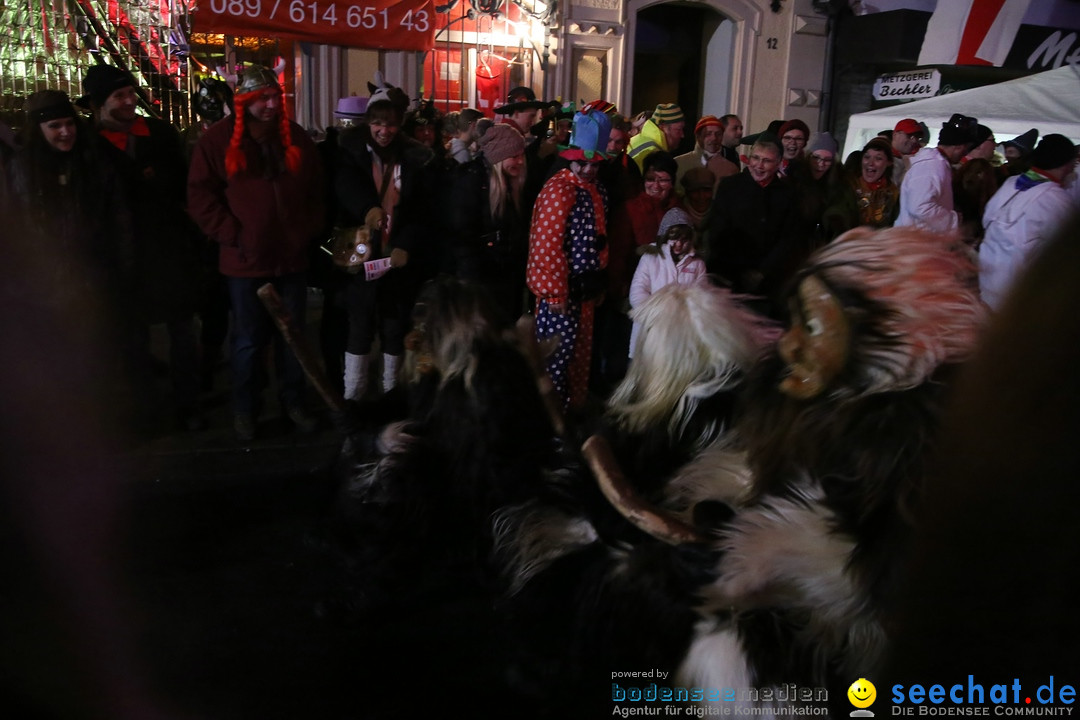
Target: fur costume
[(465, 447), (476, 520), (697, 343), (591, 592), (415, 520), (807, 567), (477, 463)]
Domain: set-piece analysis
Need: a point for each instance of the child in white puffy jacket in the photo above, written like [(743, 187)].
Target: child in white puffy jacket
[(670, 259)]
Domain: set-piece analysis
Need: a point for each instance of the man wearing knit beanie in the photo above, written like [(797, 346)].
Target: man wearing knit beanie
[(983, 144), (149, 155), (255, 187), (1023, 215), (926, 197), (662, 131), (708, 132)]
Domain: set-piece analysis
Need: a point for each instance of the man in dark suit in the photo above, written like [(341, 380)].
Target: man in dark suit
[(751, 233)]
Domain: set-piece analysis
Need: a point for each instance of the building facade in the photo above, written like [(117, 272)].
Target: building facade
[(764, 60)]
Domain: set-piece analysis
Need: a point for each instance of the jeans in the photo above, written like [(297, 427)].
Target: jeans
[(254, 330)]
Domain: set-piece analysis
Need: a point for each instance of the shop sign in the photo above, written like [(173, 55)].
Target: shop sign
[(1056, 49), (910, 85), (376, 24)]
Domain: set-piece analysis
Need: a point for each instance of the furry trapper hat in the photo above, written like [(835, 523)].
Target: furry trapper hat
[(696, 340), (913, 301)]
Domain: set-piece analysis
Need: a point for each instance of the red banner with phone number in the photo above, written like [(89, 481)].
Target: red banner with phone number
[(376, 24)]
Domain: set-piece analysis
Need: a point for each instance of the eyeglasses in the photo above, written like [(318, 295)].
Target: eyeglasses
[(658, 180), (794, 138), (822, 160)]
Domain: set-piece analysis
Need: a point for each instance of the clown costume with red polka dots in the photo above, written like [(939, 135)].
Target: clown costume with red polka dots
[(567, 255)]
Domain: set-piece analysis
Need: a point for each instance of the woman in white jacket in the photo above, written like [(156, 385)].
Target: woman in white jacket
[(671, 259)]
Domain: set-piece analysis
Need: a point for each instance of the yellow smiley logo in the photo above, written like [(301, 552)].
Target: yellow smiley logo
[(862, 693)]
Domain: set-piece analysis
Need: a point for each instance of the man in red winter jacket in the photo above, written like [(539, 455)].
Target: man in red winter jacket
[(255, 187)]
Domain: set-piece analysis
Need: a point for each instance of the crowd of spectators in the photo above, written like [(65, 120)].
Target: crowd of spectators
[(570, 213)]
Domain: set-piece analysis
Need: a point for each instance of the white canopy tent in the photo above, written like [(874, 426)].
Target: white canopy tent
[(1049, 101)]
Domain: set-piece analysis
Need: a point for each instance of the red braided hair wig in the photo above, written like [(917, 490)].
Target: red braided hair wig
[(235, 159)]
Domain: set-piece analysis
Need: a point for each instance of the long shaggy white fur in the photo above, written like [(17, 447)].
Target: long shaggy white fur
[(394, 439), (720, 472), (716, 659), (927, 283), (785, 553), (695, 341)]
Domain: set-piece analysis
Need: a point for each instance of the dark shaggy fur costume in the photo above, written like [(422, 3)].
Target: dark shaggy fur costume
[(432, 601), (592, 593), (810, 564), (416, 523), (869, 454)]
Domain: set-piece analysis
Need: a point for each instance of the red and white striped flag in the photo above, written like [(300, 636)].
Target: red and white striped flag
[(972, 32)]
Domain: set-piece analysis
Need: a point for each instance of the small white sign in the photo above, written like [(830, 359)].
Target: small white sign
[(375, 269), (908, 85)]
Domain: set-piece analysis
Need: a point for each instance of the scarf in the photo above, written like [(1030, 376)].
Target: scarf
[(1031, 178), (120, 138)]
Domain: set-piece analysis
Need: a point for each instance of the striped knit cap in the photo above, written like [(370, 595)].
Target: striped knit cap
[(707, 121), (667, 113)]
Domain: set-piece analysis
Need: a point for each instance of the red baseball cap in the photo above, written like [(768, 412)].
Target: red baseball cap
[(909, 126)]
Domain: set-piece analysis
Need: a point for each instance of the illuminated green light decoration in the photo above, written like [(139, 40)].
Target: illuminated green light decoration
[(49, 45)]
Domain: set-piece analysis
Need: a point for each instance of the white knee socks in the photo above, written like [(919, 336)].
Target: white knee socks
[(356, 375)]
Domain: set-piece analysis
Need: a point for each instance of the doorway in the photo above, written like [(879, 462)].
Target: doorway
[(683, 54)]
